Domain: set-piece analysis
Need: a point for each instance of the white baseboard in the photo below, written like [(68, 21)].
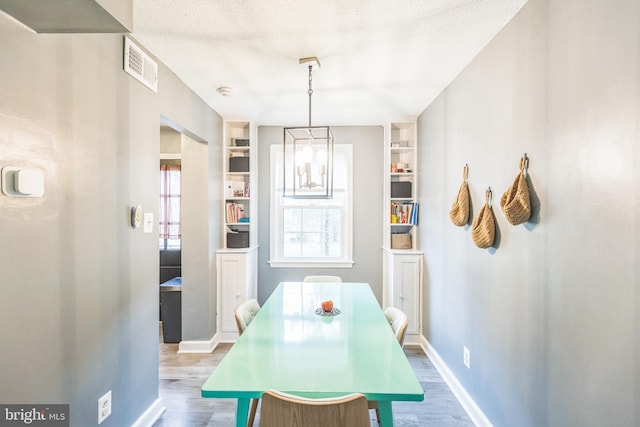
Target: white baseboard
[(475, 413), (199, 346), (413, 339), (151, 414)]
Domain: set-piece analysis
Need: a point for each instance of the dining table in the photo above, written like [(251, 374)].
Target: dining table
[(293, 346)]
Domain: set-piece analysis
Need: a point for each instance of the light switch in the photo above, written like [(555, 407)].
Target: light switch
[(148, 222)]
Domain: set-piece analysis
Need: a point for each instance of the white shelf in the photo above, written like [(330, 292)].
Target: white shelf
[(240, 182), (401, 166)]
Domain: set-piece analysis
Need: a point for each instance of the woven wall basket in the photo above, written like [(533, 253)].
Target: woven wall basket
[(483, 229), (515, 202), (459, 212)]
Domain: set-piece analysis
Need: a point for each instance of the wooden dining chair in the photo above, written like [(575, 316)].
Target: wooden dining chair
[(399, 322), (285, 410), (244, 314), (336, 279)]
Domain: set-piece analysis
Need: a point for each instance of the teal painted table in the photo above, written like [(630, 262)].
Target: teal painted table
[(290, 348)]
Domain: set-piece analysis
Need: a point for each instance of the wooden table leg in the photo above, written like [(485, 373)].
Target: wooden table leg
[(242, 412), (386, 413)]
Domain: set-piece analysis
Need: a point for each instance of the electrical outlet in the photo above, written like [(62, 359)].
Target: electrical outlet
[(104, 407), (466, 357)]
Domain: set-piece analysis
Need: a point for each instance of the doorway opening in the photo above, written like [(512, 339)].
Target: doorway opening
[(170, 235)]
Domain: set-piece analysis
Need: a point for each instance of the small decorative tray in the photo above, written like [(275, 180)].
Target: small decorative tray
[(334, 312)]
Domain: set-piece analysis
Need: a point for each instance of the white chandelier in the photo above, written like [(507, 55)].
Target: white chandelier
[(308, 155)]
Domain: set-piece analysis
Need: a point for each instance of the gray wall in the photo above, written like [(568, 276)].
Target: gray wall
[(551, 313), (367, 216), (197, 278), (79, 306)]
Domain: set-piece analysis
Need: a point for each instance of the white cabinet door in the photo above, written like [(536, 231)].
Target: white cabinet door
[(403, 287), (237, 282), (406, 279)]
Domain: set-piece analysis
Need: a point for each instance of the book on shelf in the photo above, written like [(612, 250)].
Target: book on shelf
[(235, 213), (404, 213)]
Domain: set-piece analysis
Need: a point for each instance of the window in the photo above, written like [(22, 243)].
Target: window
[(169, 222), (312, 232)]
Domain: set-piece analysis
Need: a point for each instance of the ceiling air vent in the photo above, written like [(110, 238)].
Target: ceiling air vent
[(138, 64)]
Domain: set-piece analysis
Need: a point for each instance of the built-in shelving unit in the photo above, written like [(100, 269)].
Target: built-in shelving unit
[(237, 260), (239, 160), (400, 186), (402, 259)]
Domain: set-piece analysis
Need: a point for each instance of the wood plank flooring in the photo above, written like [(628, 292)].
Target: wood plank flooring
[(182, 375)]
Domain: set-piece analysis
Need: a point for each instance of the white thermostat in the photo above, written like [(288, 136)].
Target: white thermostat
[(136, 216), (22, 181)]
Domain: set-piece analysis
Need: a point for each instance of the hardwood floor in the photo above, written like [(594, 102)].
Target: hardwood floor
[(182, 375)]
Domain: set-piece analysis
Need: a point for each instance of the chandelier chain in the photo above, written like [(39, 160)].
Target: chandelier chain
[(310, 92)]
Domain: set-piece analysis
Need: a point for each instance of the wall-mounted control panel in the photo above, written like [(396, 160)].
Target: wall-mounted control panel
[(22, 181)]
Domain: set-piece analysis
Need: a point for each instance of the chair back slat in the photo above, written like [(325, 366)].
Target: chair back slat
[(284, 410)]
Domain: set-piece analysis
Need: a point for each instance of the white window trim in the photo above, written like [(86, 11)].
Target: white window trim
[(274, 228)]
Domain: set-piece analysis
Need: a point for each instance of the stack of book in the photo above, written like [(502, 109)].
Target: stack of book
[(404, 213), (235, 212)]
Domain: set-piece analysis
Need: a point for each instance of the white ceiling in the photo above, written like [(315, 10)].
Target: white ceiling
[(381, 60)]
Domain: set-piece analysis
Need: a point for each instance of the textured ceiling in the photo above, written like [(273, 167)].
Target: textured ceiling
[(381, 60)]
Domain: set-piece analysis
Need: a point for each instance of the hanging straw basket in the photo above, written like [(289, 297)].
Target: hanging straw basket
[(515, 202), (459, 212), (483, 229)]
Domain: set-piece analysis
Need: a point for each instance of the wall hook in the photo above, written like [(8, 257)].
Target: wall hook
[(524, 163)]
